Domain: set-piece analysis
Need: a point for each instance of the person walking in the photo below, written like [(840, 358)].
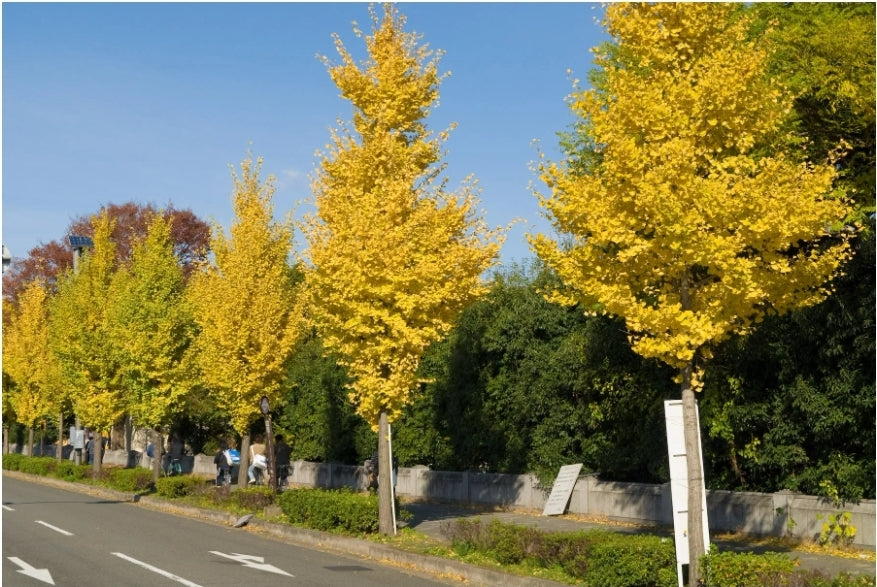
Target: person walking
[(223, 465), (258, 460), (281, 459)]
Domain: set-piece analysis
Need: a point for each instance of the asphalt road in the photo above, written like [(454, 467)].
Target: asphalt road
[(56, 537)]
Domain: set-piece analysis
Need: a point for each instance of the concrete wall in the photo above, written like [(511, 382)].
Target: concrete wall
[(767, 514)]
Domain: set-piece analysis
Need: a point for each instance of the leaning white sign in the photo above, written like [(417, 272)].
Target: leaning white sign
[(562, 489)]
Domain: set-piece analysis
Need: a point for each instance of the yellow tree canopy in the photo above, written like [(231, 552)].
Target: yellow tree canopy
[(247, 304), (697, 216), (28, 358), (80, 333), (151, 327), (393, 255)]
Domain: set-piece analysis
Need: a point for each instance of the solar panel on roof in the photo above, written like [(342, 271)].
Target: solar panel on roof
[(79, 242)]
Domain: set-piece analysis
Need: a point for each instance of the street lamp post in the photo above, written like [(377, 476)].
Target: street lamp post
[(7, 258), (266, 411), (78, 243)]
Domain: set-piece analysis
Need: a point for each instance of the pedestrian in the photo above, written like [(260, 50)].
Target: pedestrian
[(89, 449), (222, 462), (258, 460), (281, 459), (371, 472)]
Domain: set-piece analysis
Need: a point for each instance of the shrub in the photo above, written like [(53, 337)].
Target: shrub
[(595, 557), (181, 486), (340, 510), (37, 465), (69, 471), (130, 479), (253, 498), (744, 569), (621, 560), (12, 461)]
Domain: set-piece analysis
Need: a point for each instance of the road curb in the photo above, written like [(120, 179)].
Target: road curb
[(316, 539)]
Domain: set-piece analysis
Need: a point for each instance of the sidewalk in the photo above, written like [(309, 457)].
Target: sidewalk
[(429, 519)]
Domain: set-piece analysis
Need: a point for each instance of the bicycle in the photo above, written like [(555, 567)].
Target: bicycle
[(174, 468)]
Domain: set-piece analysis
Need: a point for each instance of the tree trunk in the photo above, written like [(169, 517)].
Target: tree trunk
[(60, 455), (29, 450), (696, 546), (98, 448), (386, 523), (155, 438), (243, 476)]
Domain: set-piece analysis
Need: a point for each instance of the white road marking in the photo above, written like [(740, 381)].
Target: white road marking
[(252, 561), (55, 528), (39, 574), (161, 572), (8, 509)]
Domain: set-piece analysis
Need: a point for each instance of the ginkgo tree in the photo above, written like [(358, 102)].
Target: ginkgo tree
[(80, 336), (691, 214), (247, 305), (152, 328), (393, 255), (28, 359)]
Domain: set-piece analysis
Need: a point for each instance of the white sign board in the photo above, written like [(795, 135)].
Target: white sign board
[(77, 437), (562, 489), (679, 483)]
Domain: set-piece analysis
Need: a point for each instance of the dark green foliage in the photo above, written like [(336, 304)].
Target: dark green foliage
[(522, 385), (619, 560), (12, 461), (593, 557), (318, 416), (37, 465), (132, 480), (771, 569), (792, 406), (69, 471), (342, 510), (179, 486)]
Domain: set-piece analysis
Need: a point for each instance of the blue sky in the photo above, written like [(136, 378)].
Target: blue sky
[(153, 102)]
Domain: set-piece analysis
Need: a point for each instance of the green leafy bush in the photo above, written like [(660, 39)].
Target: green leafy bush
[(70, 471), (37, 465), (595, 557), (340, 510), (12, 461), (623, 560), (253, 498), (744, 569), (771, 569), (180, 486), (130, 479)]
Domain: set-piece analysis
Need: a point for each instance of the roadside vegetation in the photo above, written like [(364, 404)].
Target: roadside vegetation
[(587, 558)]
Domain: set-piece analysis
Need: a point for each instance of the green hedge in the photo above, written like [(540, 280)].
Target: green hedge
[(130, 479), (598, 558), (771, 569), (595, 557), (327, 510), (180, 486)]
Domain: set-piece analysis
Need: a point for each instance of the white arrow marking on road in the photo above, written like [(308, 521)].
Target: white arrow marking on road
[(161, 572), (7, 508), (39, 574), (55, 528), (253, 562)]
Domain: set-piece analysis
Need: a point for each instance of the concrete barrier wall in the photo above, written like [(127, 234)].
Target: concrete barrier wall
[(767, 514)]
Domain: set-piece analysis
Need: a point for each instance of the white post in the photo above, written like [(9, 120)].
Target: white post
[(679, 483)]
